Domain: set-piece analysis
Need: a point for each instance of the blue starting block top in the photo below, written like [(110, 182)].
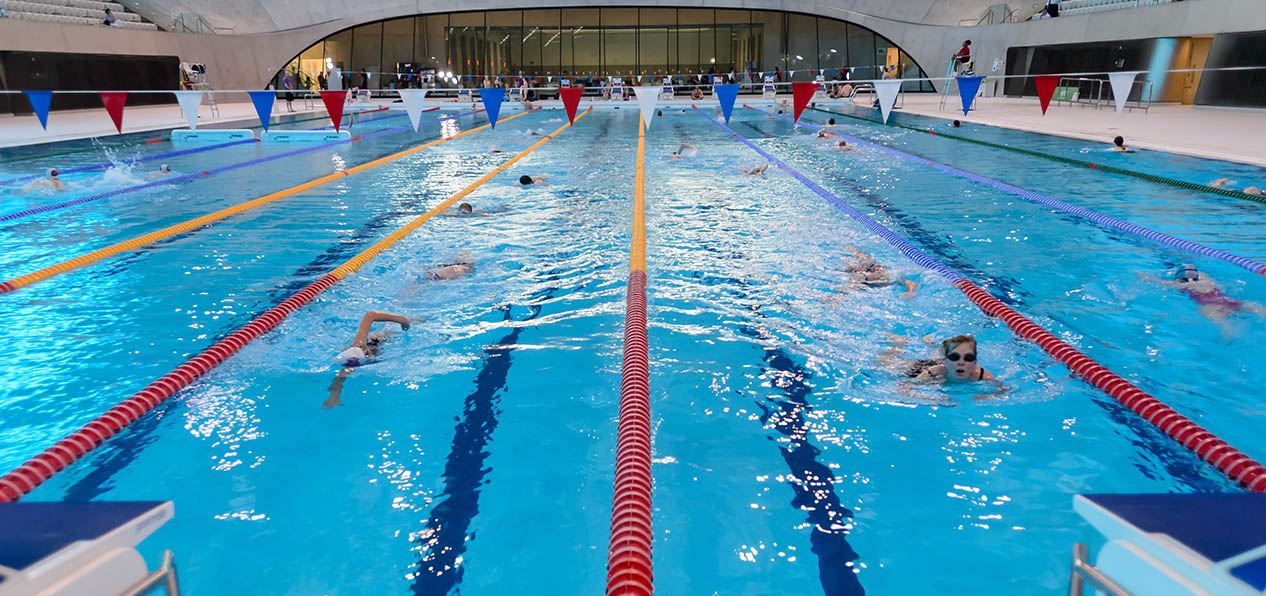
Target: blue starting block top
[(1210, 542), (43, 536)]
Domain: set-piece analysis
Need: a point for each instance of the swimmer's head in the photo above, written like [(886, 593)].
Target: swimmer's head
[(831, 121), (525, 179), (659, 113), (1186, 273), (959, 353), (53, 173), (1119, 141), (956, 124), (353, 356), (164, 168), (842, 145), (465, 208), (780, 111)]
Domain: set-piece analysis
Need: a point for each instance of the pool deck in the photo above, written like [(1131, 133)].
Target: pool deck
[(1237, 135)]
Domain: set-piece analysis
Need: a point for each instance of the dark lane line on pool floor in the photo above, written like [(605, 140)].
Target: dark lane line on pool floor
[(1180, 463)]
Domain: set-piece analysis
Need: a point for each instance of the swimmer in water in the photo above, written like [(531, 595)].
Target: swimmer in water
[(956, 124), (464, 265), (1212, 303), (843, 146), (52, 179), (1118, 144), (830, 123), (685, 150), (756, 171), (365, 348), (865, 273), (659, 113), (1226, 183), (464, 210), (954, 362), (526, 180), (163, 170), (697, 94)]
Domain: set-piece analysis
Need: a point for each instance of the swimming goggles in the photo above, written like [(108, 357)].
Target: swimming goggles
[(954, 356), (1186, 274)]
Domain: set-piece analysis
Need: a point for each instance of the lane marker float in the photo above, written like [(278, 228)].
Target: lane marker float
[(1234, 464), (139, 241), (26, 477), (629, 569)]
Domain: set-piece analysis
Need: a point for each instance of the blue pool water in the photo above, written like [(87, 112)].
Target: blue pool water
[(478, 453)]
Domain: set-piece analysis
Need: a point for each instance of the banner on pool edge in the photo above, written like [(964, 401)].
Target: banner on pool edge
[(40, 101), (113, 102), (413, 99), (263, 101), (801, 93), (967, 88), (1046, 85), (726, 94), (333, 101), (189, 102), (887, 92), (646, 98), (1122, 82), (571, 99), (492, 99)]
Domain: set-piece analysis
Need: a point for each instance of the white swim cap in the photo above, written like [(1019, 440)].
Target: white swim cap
[(353, 356)]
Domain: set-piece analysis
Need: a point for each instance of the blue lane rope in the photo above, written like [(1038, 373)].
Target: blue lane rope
[(1099, 218), (185, 177), (909, 250)]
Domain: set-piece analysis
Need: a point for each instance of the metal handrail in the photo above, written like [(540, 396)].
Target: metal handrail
[(164, 577), (1082, 572)]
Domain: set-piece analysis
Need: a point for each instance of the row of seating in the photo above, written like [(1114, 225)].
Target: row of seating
[(1072, 7), (28, 6), (93, 4), (69, 20)]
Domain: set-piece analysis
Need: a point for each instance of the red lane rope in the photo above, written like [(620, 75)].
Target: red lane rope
[(67, 451), (629, 554), (1230, 461)]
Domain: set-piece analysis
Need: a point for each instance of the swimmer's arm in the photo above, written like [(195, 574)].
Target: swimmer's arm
[(362, 332), (910, 286), (1155, 279)]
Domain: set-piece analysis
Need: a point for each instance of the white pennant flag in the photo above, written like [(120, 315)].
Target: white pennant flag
[(413, 99), (646, 98), (189, 102), (887, 92), (1122, 82)]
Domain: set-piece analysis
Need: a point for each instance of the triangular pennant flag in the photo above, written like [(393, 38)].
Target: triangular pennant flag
[(1046, 89), (887, 92), (113, 102), (412, 99), (263, 101), (967, 88), (639, 78), (549, 79), (1122, 82), (801, 93), (333, 101), (492, 99), (727, 95), (40, 101), (571, 99), (646, 98), (189, 102)]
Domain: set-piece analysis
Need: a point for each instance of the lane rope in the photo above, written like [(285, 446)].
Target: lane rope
[(34, 472), (139, 241), (1226, 192), (629, 569), (104, 165), (1234, 464), (1099, 218), (205, 173)]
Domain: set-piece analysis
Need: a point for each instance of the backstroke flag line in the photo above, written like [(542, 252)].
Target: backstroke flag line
[(727, 94), (492, 99), (333, 101), (571, 99), (189, 102), (413, 99), (1046, 85), (967, 88), (40, 101), (887, 92), (801, 93), (263, 101), (1122, 82), (646, 98), (113, 102)]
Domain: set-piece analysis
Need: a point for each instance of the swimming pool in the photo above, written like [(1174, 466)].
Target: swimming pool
[(478, 453)]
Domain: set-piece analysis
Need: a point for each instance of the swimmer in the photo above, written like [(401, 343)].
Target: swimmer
[(719, 111), (954, 362), (864, 273), (52, 179), (365, 348), (956, 124), (1212, 302), (1220, 182), (822, 133), (756, 171), (464, 210), (464, 265), (526, 180), (163, 170), (830, 123), (697, 94), (685, 150), (843, 146), (1226, 183), (659, 113), (496, 151), (1118, 144)]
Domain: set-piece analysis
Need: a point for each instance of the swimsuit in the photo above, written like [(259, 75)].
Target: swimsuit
[(918, 367), (1214, 298)]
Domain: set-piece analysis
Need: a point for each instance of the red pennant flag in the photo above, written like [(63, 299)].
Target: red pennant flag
[(801, 93), (333, 101), (1046, 89), (113, 102), (571, 99)]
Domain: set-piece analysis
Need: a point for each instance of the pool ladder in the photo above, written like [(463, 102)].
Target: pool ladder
[(1083, 572)]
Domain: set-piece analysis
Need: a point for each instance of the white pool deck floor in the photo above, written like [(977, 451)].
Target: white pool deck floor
[(1226, 134)]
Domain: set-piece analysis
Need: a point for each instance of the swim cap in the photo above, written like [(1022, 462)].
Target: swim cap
[(1186, 271), (353, 356), (525, 179), (52, 172), (165, 168)]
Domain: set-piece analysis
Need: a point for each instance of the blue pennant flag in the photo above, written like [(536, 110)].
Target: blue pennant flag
[(39, 102), (967, 87), (727, 94), (263, 101), (492, 102)]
